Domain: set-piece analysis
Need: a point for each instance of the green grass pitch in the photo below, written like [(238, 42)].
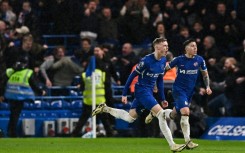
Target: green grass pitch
[(111, 145)]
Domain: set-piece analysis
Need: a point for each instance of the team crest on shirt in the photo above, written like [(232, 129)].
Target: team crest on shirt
[(163, 68), (195, 64), (141, 64)]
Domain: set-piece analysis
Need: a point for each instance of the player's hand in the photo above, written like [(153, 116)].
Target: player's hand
[(124, 99), (202, 91), (208, 91), (164, 104)]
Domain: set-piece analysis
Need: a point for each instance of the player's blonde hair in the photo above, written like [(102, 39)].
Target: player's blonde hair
[(158, 41)]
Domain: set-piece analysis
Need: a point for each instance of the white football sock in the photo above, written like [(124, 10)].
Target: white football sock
[(119, 113), (185, 126), (167, 113), (164, 127)]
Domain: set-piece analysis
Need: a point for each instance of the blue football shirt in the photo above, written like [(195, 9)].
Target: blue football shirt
[(150, 72), (149, 69), (187, 71)]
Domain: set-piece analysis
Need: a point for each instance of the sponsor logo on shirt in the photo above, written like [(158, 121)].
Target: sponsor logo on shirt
[(152, 75), (188, 71)]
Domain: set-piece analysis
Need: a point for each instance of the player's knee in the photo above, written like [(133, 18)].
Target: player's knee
[(130, 119)]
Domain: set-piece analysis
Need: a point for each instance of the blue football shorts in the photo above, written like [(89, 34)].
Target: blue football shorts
[(181, 99), (144, 99)]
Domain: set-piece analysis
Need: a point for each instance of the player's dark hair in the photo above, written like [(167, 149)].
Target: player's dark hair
[(187, 42), (158, 40)]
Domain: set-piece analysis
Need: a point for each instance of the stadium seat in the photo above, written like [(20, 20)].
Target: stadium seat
[(56, 104), (66, 105), (76, 104), (4, 106), (59, 104), (28, 106), (45, 105), (38, 104)]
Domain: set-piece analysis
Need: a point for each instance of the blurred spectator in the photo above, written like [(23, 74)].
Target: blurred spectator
[(171, 17), (59, 52), (160, 31), (229, 40), (114, 5), (178, 40), (35, 55), (65, 70), (17, 35), (125, 62), (198, 34), (86, 50), (217, 22), (60, 14), (211, 53), (233, 95), (135, 17), (106, 66), (109, 50), (20, 86), (27, 18), (7, 13), (156, 15), (108, 30), (3, 46), (90, 21), (237, 25)]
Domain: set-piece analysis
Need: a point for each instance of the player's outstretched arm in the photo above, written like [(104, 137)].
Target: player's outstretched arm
[(206, 82), (128, 83)]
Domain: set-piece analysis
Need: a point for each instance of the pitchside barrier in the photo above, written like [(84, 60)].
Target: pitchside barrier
[(57, 115), (225, 128), (50, 115)]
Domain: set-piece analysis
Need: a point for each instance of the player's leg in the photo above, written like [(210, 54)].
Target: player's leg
[(117, 113), (181, 104), (160, 114), (185, 126)]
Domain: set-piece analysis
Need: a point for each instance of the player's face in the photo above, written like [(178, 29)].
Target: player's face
[(191, 49), (162, 48)]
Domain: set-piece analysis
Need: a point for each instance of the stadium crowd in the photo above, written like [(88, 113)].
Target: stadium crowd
[(124, 30)]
